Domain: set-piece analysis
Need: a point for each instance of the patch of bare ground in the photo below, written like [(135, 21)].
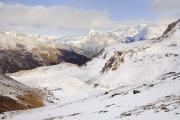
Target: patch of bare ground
[(26, 101), (31, 99), (61, 117), (54, 118), (9, 104), (166, 104)]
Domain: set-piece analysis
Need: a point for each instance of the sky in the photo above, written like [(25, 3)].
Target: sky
[(75, 17), (118, 9)]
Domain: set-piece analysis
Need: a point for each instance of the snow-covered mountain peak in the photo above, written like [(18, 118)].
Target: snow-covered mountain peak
[(10, 40), (95, 41), (142, 32), (92, 32)]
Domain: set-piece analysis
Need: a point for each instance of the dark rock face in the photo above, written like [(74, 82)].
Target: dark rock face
[(136, 91), (170, 28), (114, 62), (72, 57), (21, 59), (15, 60)]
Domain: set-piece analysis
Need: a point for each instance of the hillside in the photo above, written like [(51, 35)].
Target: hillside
[(23, 52), (128, 80), (17, 96)]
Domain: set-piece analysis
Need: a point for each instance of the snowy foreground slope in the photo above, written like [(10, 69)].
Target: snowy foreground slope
[(139, 80), (158, 100)]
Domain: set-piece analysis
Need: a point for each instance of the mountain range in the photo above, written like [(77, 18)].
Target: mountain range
[(130, 73)]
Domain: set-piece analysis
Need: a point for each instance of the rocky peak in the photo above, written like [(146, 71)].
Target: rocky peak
[(171, 28), (114, 62)]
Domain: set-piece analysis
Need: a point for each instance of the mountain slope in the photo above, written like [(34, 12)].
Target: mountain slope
[(15, 60), (23, 52), (157, 99), (138, 80), (135, 62), (17, 96)]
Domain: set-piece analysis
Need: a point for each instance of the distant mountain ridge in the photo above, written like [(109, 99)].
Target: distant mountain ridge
[(23, 52), (19, 49), (91, 44)]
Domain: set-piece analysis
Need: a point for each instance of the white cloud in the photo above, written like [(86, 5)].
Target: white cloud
[(63, 20), (58, 17), (166, 5)]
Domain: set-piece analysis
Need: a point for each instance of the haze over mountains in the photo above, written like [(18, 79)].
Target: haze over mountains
[(131, 73)]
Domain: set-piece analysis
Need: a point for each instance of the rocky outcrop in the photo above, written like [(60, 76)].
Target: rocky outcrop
[(136, 91), (171, 28), (72, 57), (114, 62)]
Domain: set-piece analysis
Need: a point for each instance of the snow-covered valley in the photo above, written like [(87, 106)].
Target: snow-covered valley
[(136, 76)]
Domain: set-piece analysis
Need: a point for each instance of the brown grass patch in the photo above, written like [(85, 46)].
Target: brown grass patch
[(9, 104), (31, 100)]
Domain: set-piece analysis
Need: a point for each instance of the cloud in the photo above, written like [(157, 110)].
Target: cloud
[(63, 20), (57, 17), (166, 5)]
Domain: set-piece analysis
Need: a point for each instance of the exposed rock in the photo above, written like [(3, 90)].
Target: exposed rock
[(162, 105), (171, 28), (106, 93), (75, 114), (103, 111), (136, 91), (72, 57), (114, 62), (115, 94)]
